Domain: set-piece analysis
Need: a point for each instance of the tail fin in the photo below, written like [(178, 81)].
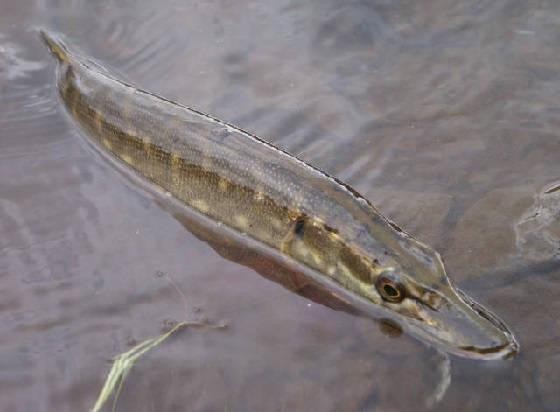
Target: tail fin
[(55, 45)]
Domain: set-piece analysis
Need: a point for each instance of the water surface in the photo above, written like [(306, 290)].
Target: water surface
[(444, 114)]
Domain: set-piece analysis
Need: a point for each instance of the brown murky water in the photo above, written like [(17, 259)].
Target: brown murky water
[(445, 114)]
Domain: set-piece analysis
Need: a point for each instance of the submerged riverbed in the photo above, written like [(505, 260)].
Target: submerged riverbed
[(444, 114)]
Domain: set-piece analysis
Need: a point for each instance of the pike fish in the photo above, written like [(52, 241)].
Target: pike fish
[(280, 202)]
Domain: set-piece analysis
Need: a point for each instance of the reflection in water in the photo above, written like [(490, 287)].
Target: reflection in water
[(444, 114), (273, 266)]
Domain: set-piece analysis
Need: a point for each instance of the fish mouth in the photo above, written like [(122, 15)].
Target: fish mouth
[(466, 329), (506, 350)]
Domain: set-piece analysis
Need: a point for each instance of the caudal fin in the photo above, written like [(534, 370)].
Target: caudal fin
[(56, 46)]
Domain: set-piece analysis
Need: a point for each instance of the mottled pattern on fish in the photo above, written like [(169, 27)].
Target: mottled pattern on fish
[(249, 185)]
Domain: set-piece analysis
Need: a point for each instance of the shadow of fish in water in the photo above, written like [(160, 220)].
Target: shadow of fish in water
[(341, 244)]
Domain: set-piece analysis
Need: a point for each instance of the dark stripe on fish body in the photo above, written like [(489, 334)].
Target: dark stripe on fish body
[(300, 223)]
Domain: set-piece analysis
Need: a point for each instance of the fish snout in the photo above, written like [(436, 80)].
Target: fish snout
[(489, 337), (467, 329)]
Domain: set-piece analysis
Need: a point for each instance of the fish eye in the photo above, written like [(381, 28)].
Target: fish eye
[(389, 290)]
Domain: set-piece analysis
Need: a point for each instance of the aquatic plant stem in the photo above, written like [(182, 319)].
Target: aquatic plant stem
[(123, 362)]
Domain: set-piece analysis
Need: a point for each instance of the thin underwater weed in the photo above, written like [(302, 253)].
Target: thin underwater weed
[(123, 362), (160, 273)]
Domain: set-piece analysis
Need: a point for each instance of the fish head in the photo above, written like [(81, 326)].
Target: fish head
[(420, 297)]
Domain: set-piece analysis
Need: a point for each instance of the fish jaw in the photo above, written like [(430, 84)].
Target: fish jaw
[(463, 327)]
